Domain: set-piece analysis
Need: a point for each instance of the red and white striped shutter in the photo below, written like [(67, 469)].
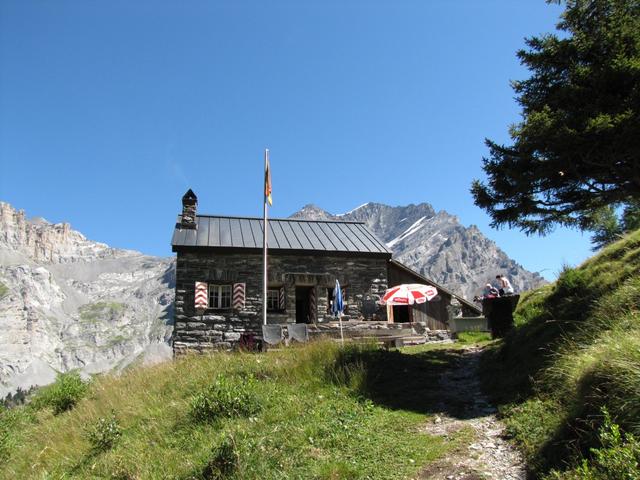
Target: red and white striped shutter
[(238, 295), (313, 305), (282, 302), (202, 296)]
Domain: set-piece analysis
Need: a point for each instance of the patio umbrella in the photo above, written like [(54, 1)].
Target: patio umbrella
[(338, 306), (408, 294)]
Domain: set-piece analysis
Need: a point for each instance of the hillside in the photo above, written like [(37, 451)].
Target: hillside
[(574, 356), (316, 411), (436, 245), (68, 302)]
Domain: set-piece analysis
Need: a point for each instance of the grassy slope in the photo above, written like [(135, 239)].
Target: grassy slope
[(325, 414), (576, 350)]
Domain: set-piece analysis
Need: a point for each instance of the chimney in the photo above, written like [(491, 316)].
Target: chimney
[(189, 204)]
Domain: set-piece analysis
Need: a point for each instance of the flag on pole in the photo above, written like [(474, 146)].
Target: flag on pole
[(267, 198), (267, 181)]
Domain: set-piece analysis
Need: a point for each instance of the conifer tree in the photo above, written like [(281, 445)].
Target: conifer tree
[(576, 150)]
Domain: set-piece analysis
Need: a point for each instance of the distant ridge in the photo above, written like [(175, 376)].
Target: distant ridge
[(436, 245), (68, 302)]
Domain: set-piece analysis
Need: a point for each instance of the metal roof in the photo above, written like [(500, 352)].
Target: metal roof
[(284, 234)]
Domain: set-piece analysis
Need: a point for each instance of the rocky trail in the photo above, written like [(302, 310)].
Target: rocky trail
[(464, 407)]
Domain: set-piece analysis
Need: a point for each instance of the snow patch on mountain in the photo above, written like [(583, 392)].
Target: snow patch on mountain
[(412, 229), (352, 210)]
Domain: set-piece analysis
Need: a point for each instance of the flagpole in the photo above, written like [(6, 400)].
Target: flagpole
[(264, 245)]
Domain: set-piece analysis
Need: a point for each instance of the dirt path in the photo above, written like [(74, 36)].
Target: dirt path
[(463, 406)]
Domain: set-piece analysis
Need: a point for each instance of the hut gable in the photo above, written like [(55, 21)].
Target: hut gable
[(400, 273)]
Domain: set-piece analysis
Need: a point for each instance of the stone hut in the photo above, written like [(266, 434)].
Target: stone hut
[(219, 264)]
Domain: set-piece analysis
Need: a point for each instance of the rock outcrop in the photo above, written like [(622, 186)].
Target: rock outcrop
[(67, 302), (436, 245)]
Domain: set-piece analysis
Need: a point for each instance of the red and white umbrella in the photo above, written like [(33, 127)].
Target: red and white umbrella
[(408, 294)]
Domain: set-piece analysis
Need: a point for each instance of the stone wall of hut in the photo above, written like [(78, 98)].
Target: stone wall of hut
[(363, 277)]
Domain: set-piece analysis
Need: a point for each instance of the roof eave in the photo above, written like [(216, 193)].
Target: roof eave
[(277, 251)]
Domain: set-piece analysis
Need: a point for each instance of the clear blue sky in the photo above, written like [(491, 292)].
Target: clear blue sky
[(110, 110)]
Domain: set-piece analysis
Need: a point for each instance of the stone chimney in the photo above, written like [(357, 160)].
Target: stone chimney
[(189, 205)]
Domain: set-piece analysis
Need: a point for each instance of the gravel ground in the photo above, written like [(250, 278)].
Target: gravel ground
[(463, 406)]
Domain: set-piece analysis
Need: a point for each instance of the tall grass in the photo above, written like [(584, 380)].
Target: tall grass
[(574, 354), (298, 413)]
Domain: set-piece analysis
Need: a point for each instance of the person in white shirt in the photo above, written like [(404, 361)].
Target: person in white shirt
[(505, 285)]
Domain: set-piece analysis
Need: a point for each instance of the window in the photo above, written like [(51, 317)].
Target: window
[(219, 296), (273, 299)]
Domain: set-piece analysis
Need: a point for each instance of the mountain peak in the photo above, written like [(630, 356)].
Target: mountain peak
[(434, 244), (312, 212), (46, 242), (354, 209)]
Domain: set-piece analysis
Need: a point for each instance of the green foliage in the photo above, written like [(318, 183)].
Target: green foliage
[(349, 368), (531, 423), (224, 461), (93, 312), (227, 397), (322, 416), (577, 148), (104, 433), (12, 423), (3, 289), (63, 394), (572, 295), (575, 351), (606, 228), (467, 338), (617, 458), (631, 216), (532, 306)]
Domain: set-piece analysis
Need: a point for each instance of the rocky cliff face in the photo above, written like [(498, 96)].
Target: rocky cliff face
[(436, 245), (67, 302)]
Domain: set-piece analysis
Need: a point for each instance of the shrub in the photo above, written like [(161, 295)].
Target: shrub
[(618, 457), (227, 397), (63, 394), (104, 433)]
